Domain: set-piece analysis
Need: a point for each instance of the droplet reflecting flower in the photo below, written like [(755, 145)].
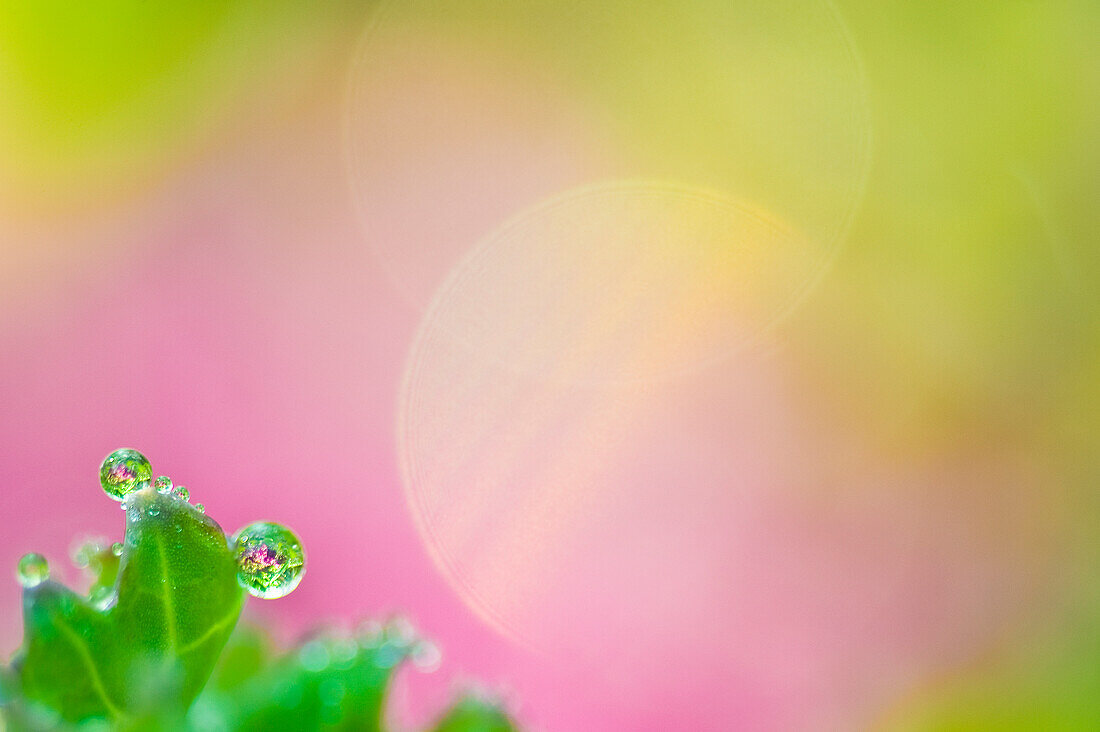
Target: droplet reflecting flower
[(270, 560), (33, 570), (200, 508), (163, 484), (181, 493), (123, 472)]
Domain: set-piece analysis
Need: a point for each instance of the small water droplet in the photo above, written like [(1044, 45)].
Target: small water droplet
[(388, 656), (200, 508), (270, 560), (101, 598), (401, 631), (153, 511), (426, 656), (116, 548), (163, 484), (344, 650), (84, 550), (123, 472), (181, 493), (369, 633), (33, 570), (313, 656)]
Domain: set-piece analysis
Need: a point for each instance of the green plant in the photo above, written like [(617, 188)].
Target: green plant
[(153, 644)]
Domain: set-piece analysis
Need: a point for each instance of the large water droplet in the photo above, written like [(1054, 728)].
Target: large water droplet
[(270, 560), (123, 472), (163, 484), (33, 570)]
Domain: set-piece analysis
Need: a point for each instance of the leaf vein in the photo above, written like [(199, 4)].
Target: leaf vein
[(170, 619), (230, 618), (93, 673)]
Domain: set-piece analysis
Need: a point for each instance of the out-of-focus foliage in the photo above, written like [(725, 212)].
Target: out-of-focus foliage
[(331, 681)]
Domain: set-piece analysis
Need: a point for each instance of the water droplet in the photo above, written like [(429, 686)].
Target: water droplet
[(124, 472), (200, 508), (116, 548), (344, 652), (33, 570), (388, 656), (101, 598), (181, 493), (153, 511), (426, 656), (270, 560), (84, 550), (368, 633), (313, 656), (163, 484), (401, 631)]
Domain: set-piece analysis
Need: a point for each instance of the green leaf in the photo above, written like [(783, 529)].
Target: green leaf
[(331, 681), (163, 625), (470, 714)]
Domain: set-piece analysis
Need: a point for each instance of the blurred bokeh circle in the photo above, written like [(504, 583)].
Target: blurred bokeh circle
[(463, 113)]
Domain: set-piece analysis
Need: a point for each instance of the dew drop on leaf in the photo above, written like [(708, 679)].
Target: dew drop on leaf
[(84, 550), (33, 570), (270, 560), (163, 484), (182, 493), (123, 472), (116, 548), (200, 508)]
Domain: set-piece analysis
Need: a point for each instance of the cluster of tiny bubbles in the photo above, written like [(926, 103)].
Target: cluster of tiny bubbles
[(270, 560), (123, 472), (163, 484), (32, 570)]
